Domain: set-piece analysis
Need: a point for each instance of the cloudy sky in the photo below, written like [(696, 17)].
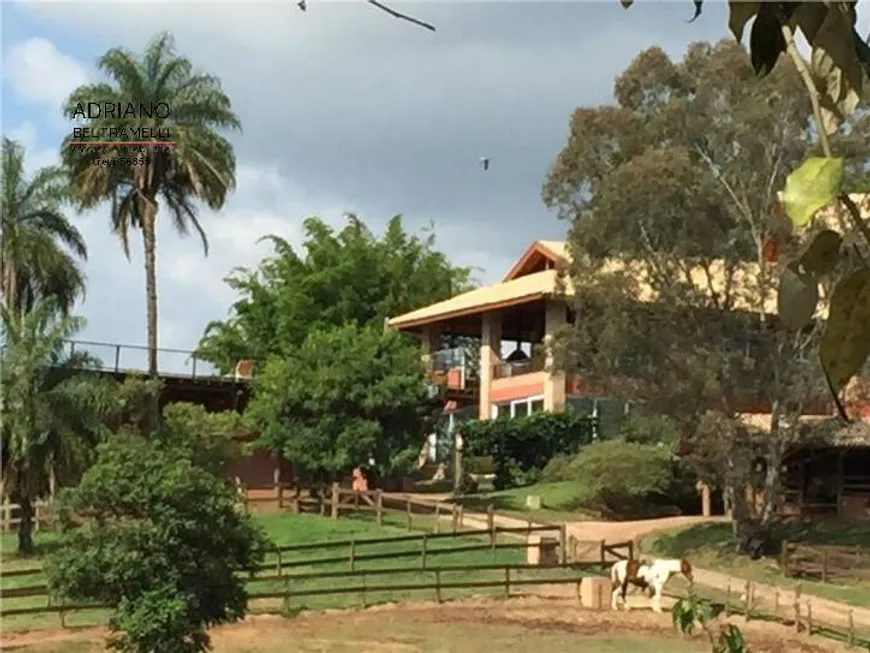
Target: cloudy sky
[(344, 109)]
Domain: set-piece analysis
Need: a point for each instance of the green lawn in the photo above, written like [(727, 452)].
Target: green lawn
[(558, 502), (711, 545), (287, 529)]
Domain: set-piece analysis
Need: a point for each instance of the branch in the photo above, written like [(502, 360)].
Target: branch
[(401, 16), (807, 76)]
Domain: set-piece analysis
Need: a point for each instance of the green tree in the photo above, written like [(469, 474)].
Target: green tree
[(207, 437), (348, 276), (52, 412), (681, 214), (150, 532), (836, 82), (344, 396), (199, 168), (40, 250)]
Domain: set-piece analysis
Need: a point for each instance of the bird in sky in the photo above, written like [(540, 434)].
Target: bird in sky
[(484, 163)]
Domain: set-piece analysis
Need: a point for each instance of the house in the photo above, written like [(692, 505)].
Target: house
[(511, 372)]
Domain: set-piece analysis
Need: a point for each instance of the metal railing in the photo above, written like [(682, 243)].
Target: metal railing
[(518, 368), (134, 358)]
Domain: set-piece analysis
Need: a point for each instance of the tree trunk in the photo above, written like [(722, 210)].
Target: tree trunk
[(26, 548), (149, 239)]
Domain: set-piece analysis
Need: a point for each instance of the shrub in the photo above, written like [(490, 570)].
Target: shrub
[(520, 447), (620, 478), (158, 537), (558, 469)]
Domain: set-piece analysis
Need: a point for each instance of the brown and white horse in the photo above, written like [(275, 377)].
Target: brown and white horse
[(650, 576)]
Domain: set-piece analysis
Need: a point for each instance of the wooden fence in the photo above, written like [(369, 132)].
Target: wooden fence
[(10, 515), (824, 562), (353, 558)]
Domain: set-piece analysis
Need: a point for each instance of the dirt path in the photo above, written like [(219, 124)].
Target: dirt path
[(463, 626), (766, 597)]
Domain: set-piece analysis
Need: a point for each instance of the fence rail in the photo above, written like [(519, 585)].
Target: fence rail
[(824, 561)]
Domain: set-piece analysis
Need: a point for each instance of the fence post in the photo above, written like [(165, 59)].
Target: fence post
[(437, 517), (824, 564), (563, 544), (408, 511), (423, 553), (851, 628), (352, 553), (602, 551), (490, 525), (507, 582), (783, 558), (747, 599), (631, 549), (454, 514), (461, 515), (809, 617), (36, 516), (279, 492), (278, 564), (797, 608), (336, 495), (379, 506), (728, 601), (438, 585)]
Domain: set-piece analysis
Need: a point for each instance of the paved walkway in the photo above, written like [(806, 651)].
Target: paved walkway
[(767, 597)]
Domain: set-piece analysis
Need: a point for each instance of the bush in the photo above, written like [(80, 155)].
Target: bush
[(157, 536), (520, 447), (621, 478), (558, 469)]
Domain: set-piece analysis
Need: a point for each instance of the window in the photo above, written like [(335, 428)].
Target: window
[(537, 405), (520, 409), (526, 406)]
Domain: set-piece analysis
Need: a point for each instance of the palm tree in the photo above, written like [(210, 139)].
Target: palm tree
[(200, 166), (53, 413), (40, 249)]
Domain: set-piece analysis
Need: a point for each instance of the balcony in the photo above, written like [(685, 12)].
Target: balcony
[(454, 368), (507, 370)]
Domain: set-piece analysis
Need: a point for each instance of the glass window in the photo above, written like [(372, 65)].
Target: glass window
[(521, 409), (537, 405)]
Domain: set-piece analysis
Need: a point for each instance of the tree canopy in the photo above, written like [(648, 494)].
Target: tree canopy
[(41, 251), (151, 532), (197, 167), (53, 412), (345, 276), (676, 235), (346, 396)]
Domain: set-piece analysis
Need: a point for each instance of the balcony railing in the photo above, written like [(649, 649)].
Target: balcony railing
[(134, 359), (456, 368), (507, 370)]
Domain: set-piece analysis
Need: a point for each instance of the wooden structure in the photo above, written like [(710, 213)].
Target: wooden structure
[(829, 474)]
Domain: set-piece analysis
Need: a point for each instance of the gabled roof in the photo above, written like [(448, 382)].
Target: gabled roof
[(545, 254)]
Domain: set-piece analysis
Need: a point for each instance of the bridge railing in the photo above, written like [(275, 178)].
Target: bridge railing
[(134, 358)]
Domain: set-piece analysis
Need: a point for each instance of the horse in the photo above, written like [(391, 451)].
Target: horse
[(649, 576)]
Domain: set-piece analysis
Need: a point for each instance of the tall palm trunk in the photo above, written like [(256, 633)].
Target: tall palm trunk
[(149, 238)]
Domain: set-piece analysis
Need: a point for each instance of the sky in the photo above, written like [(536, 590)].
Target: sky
[(344, 109)]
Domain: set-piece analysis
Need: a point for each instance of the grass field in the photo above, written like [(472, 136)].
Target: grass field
[(711, 545), (288, 529), (557, 502)]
